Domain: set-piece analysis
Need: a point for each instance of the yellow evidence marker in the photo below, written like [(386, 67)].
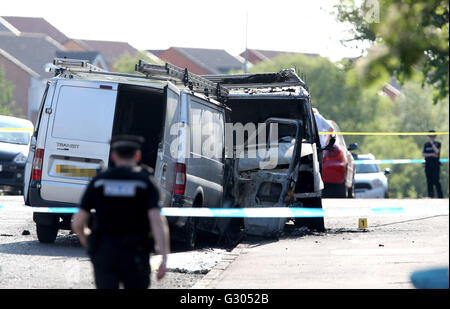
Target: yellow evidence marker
[(362, 223)]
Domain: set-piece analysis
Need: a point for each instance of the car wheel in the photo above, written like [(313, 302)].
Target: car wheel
[(46, 233), (315, 224), (340, 191), (351, 190)]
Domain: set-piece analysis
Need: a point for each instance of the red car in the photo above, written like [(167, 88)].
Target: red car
[(338, 169)]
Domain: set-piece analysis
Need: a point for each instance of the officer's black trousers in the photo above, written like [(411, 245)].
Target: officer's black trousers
[(115, 264), (432, 172)]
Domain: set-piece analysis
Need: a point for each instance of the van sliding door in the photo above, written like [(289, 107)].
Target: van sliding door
[(168, 148)]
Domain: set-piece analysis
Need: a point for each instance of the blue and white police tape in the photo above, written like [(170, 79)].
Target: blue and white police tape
[(280, 212), (395, 161)]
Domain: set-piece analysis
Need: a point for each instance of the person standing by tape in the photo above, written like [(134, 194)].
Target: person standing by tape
[(431, 152), (127, 210)]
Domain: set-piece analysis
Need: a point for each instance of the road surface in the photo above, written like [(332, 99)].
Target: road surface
[(381, 256)]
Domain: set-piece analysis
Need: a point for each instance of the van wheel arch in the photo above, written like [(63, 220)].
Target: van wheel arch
[(198, 200)]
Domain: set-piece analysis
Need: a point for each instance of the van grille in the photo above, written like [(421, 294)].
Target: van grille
[(363, 185), (7, 175), (7, 157)]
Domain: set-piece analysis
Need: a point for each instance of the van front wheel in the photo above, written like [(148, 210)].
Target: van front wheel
[(314, 223), (46, 233)]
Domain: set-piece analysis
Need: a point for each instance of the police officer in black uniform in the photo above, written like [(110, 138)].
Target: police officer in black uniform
[(431, 152), (127, 218)]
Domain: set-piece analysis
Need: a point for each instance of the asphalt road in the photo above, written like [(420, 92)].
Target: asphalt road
[(381, 256), (27, 263)]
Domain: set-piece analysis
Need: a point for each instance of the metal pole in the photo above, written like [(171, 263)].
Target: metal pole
[(246, 38)]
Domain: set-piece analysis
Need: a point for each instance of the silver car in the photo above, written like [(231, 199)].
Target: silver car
[(370, 181)]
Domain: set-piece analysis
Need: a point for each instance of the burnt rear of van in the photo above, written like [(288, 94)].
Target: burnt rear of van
[(150, 113), (140, 111)]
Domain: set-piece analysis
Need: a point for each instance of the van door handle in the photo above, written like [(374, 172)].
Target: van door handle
[(163, 173)]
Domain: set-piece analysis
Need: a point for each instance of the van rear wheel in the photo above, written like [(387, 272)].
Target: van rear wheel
[(46, 233), (190, 233)]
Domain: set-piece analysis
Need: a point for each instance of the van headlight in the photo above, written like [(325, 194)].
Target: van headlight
[(20, 158), (377, 183)]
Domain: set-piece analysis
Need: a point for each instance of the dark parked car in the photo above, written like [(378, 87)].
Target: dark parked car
[(15, 134), (338, 169)]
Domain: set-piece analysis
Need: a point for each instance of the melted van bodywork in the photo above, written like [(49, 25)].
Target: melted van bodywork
[(295, 180)]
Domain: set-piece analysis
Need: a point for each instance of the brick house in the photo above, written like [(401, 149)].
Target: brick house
[(111, 50), (200, 60), (36, 25), (24, 58), (257, 55)]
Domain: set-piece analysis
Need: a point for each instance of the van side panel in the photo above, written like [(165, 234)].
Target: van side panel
[(78, 136)]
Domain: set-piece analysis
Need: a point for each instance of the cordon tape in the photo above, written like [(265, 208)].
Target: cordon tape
[(274, 212), (16, 130), (286, 212), (395, 161)]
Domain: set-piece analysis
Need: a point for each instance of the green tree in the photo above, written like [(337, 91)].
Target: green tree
[(7, 104), (413, 111), (126, 63), (335, 90), (407, 36), (340, 95)]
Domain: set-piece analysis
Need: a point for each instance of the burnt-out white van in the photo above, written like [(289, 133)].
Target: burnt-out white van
[(83, 107)]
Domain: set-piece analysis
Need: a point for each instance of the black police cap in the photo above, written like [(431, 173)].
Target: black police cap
[(127, 141)]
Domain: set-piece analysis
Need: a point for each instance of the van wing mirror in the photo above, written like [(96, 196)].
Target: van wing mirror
[(331, 143), (352, 147), (387, 171)]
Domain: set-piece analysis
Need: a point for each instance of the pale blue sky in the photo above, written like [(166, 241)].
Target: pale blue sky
[(289, 25)]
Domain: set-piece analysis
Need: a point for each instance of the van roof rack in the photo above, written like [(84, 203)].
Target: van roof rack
[(284, 78), (75, 65), (193, 81), (161, 72)]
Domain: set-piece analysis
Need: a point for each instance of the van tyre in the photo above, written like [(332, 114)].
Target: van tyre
[(234, 232), (314, 224), (190, 233), (46, 233)]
